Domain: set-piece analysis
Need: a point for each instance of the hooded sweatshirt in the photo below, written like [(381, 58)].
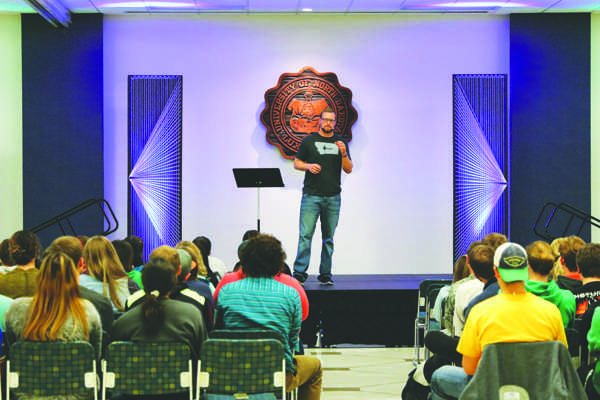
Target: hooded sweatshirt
[(563, 299)]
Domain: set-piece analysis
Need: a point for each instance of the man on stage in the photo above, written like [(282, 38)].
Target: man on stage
[(322, 155)]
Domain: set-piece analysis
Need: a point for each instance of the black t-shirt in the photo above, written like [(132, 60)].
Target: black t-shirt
[(584, 294), (317, 149)]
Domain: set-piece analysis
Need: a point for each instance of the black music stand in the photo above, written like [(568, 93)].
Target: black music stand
[(257, 177)]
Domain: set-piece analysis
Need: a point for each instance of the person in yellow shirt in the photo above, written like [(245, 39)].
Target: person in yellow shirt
[(514, 315)]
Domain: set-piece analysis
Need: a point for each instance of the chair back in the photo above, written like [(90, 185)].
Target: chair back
[(52, 369), (250, 366), (534, 371), (245, 334), (147, 368)]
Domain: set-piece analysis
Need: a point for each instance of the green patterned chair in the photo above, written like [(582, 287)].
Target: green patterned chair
[(251, 369), (52, 369), (146, 368)]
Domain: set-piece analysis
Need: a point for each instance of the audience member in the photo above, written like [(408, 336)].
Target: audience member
[(137, 244), (215, 268), (83, 240), (56, 312), (260, 301), (71, 246), (180, 262), (593, 339), (196, 280), (541, 262), (494, 240), (480, 260), (21, 281), (160, 318), (106, 274), (512, 316), (6, 261), (588, 262), (198, 275), (249, 234), (568, 248), (460, 271), (125, 254), (481, 263)]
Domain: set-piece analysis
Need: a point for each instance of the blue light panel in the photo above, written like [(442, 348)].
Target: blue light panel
[(480, 158), (155, 137)]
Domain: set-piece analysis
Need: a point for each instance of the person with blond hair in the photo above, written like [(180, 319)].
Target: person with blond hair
[(106, 274), (56, 312)]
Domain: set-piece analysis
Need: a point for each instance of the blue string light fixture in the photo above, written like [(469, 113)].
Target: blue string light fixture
[(155, 139), (480, 158)]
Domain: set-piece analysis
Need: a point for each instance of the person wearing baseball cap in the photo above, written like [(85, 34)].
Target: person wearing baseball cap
[(514, 315)]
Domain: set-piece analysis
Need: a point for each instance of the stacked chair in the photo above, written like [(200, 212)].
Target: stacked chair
[(428, 290)]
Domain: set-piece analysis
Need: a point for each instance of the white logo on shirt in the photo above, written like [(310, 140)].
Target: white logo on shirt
[(326, 148)]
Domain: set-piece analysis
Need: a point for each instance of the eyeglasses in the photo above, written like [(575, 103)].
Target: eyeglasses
[(328, 120)]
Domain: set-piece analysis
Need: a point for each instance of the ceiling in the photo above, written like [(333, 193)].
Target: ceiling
[(114, 7)]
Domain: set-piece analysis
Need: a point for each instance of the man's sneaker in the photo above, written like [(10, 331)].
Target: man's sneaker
[(327, 282), (299, 281)]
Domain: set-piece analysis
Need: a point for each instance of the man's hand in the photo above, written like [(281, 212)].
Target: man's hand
[(314, 168), (342, 147)]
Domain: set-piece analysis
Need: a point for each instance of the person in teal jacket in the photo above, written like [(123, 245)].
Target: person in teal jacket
[(541, 261)]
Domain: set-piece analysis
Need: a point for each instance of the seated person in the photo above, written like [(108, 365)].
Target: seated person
[(568, 247), (71, 246), (105, 272), (21, 281), (196, 279), (180, 261), (161, 319), (56, 312), (588, 262), (514, 315), (541, 262), (261, 302)]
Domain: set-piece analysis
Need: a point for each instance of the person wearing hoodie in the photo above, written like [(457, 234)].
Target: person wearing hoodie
[(541, 261)]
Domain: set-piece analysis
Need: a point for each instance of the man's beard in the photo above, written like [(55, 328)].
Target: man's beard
[(326, 130)]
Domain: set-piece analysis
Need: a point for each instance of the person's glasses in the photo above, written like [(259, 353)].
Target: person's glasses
[(328, 120)]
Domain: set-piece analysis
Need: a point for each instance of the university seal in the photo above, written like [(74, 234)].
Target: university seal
[(293, 107)]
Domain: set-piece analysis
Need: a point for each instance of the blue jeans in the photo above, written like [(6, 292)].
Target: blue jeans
[(448, 383), (327, 208)]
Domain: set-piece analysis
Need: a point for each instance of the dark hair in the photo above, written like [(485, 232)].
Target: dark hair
[(158, 275), (588, 260), (24, 247), (137, 244), (481, 260), (494, 240), (540, 257), (262, 256), (5, 258), (568, 250), (204, 245), (249, 234), (69, 245), (125, 253)]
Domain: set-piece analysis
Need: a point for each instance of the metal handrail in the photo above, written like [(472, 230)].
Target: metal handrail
[(574, 214), (62, 218)]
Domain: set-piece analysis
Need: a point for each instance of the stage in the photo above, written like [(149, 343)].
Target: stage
[(363, 309)]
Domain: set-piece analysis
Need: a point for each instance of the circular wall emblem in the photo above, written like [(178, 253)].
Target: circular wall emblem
[(293, 107)]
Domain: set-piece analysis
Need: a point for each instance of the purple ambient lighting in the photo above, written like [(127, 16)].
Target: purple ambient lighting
[(481, 4), (144, 4)]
